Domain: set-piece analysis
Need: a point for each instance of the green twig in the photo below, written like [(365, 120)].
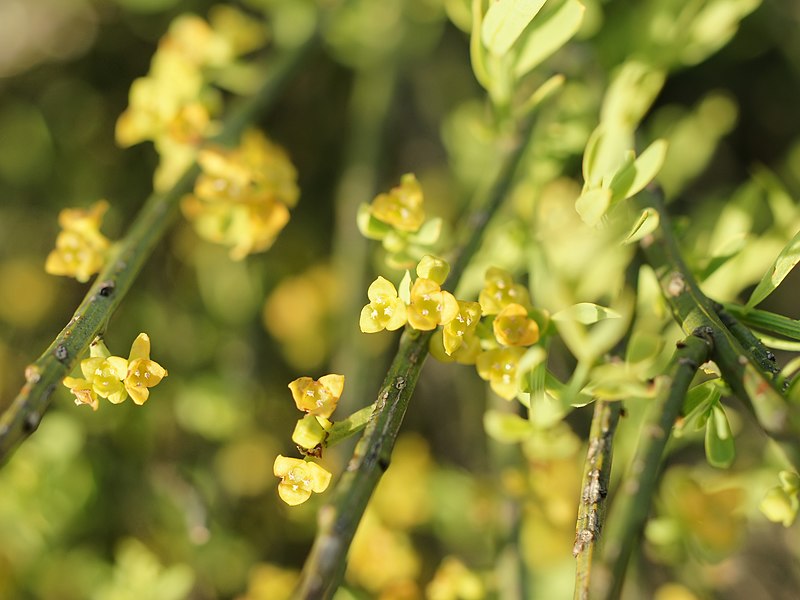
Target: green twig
[(740, 368), (115, 280), (765, 321), (630, 508), (592, 507), (753, 345), (340, 516)]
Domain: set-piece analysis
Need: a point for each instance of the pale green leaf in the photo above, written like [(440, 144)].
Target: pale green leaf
[(787, 259), (586, 313), (593, 204), (369, 226), (505, 21), (645, 224), (506, 427), (770, 407), (632, 179), (429, 233), (548, 34), (404, 289), (720, 448)]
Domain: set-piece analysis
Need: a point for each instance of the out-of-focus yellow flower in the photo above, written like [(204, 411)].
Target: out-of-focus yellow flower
[(454, 581), (193, 38), (299, 478), (385, 310), (241, 198), (80, 247), (142, 372), (430, 305), (499, 368), (270, 582), (513, 327), (317, 398), (500, 290), (402, 206), (457, 333)]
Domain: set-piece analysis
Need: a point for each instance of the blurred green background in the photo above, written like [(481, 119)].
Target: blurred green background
[(177, 499)]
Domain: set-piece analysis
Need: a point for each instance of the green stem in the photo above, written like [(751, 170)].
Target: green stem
[(764, 358), (350, 426), (340, 516), (630, 508), (115, 280), (765, 320), (592, 507), (740, 368)]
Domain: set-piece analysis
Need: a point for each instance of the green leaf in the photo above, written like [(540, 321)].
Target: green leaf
[(770, 407), (404, 289), (506, 427), (593, 204), (787, 259), (586, 313), (369, 226), (505, 21), (645, 224), (429, 233), (547, 35), (697, 407), (720, 448), (632, 179)]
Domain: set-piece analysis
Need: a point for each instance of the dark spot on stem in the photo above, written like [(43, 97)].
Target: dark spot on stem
[(106, 288), (31, 422), (61, 352), (383, 464)]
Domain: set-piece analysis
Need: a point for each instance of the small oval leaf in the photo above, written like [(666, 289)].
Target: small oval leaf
[(586, 313), (505, 21), (720, 448), (786, 261)]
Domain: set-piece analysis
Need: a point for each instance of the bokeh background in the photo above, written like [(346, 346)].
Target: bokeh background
[(177, 499)]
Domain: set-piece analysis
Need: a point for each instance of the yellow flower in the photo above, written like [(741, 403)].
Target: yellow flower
[(513, 327), (402, 206), (317, 398), (458, 331), (430, 305), (194, 39), (385, 310), (80, 247), (102, 377), (142, 373), (500, 290), (499, 368), (299, 478), (241, 199)]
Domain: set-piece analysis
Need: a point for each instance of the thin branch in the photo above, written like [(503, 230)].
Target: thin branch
[(631, 506), (592, 507), (741, 369), (115, 280), (340, 516)]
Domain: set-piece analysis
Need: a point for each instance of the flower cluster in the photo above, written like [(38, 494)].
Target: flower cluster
[(397, 219), (492, 334), (115, 378), (174, 104), (423, 305), (243, 196), (301, 477), (80, 247)]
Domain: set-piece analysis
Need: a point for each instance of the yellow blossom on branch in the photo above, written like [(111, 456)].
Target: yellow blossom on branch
[(499, 368), (241, 199), (500, 290), (513, 327), (385, 309), (430, 305), (80, 247), (458, 332), (142, 372), (317, 398), (113, 377), (402, 206), (299, 478)]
